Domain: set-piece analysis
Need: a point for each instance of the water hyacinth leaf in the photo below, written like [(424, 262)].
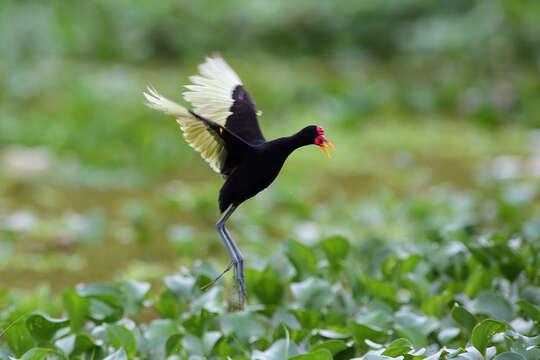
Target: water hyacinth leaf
[(266, 285), (43, 354), (43, 328), (180, 286), (101, 311), (398, 347), (463, 317), (173, 344), (509, 356), (105, 292), (157, 335), (282, 316), (244, 325), (281, 349), (531, 310), (18, 337), (321, 354), (83, 343), (302, 257), (333, 346), (120, 354), (135, 292), (380, 289), (491, 303), (484, 331), (415, 327), (362, 332), (313, 293), (77, 308), (336, 248), (120, 337)]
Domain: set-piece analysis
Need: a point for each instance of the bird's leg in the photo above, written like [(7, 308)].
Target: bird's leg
[(220, 225), (240, 258)]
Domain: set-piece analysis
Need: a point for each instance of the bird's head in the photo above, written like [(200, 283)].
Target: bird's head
[(315, 135)]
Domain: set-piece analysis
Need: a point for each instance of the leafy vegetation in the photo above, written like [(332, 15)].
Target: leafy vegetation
[(419, 239)]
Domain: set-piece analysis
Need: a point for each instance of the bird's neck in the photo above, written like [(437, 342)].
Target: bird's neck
[(286, 145)]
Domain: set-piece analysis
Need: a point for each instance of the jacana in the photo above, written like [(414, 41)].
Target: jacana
[(223, 127)]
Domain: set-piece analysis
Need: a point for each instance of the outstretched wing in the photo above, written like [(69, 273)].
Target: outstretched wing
[(218, 95), (199, 134)]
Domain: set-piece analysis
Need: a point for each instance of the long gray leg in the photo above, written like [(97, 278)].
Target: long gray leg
[(220, 226), (237, 259), (240, 257)]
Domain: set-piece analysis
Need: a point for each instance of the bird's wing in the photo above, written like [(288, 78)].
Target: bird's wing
[(199, 134), (218, 95)]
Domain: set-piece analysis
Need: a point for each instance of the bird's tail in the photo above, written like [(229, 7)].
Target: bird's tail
[(159, 102)]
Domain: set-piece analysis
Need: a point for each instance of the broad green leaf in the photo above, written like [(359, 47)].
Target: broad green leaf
[(173, 344), (282, 316), (334, 346), (135, 293), (267, 286), (120, 354), (18, 337), (491, 303), (180, 286), (321, 354), (509, 356), (120, 337), (336, 248), (484, 331), (77, 308), (463, 317), (380, 289), (398, 347), (281, 349), (83, 343), (43, 328), (362, 332), (244, 325), (302, 258), (414, 326), (42, 354), (531, 310), (105, 292), (313, 293)]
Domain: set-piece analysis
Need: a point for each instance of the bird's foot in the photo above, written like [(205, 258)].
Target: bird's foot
[(211, 283), (240, 280)]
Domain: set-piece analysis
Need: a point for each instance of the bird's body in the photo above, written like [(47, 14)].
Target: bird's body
[(223, 127)]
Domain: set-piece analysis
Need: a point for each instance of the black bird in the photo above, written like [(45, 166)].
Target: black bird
[(223, 127)]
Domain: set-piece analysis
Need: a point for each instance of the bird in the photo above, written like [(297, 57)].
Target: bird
[(222, 126)]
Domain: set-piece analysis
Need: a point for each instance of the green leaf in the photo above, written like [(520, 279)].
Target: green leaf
[(509, 356), (244, 325), (42, 354), (484, 331), (334, 346), (120, 337), (491, 303), (180, 286), (281, 349), (531, 310), (135, 292), (77, 308), (173, 344), (302, 258), (398, 347), (105, 301), (313, 293), (43, 328), (362, 332), (83, 343), (463, 317), (120, 354), (322, 354), (380, 289), (18, 337), (267, 286), (336, 248)]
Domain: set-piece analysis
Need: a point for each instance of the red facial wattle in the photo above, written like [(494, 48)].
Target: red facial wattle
[(321, 141)]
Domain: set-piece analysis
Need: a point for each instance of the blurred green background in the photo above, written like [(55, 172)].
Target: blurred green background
[(429, 103)]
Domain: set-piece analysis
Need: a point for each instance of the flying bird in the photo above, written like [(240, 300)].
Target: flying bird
[(222, 126)]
